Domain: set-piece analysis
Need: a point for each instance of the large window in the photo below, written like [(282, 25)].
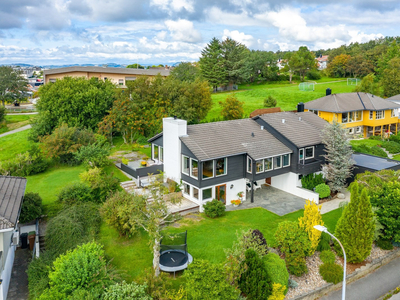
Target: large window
[(353, 116), (259, 166), (278, 162), (195, 193), (194, 168), (220, 166), (185, 165), (286, 160), (207, 194), (208, 169), (393, 113), (155, 152), (301, 154), (371, 115), (358, 116), (161, 149), (249, 164), (186, 189), (309, 152), (380, 114), (120, 82), (268, 165)]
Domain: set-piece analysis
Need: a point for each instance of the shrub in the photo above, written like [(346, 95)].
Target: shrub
[(311, 181), (205, 280), (296, 264), (254, 281), (327, 256), (276, 269), (232, 108), (293, 284), (324, 242), (157, 286), (311, 217), (75, 193), (259, 238), (31, 207), (128, 291), (395, 138), (391, 146), (331, 272), (214, 208), (278, 292), (102, 184), (375, 138), (313, 75), (270, 101), (384, 244), (94, 155), (38, 274), (323, 190), (374, 150), (3, 113)]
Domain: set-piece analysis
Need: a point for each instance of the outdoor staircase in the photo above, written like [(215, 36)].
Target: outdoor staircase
[(42, 243), (128, 186)]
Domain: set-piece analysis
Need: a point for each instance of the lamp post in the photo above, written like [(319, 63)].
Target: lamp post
[(324, 229)]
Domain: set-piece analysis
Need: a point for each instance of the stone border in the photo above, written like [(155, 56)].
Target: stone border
[(357, 274)]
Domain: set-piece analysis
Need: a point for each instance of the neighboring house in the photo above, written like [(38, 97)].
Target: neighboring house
[(395, 99), (322, 62), (117, 75), (360, 113), (218, 160), (12, 191)]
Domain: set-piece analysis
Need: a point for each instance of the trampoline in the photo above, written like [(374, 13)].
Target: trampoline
[(173, 253)]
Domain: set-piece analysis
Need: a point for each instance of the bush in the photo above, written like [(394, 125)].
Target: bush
[(255, 282), (384, 244), (391, 146), (327, 256), (374, 150), (31, 207), (324, 242), (205, 280), (259, 238), (313, 75), (3, 113), (270, 102), (278, 292), (293, 284), (232, 108), (128, 291), (375, 138), (311, 217), (94, 155), (157, 286), (323, 190), (214, 208), (101, 183), (38, 274), (296, 264), (395, 138), (276, 269), (310, 181), (331, 272), (75, 193)]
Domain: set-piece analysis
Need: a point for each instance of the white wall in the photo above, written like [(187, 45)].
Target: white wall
[(172, 130), (290, 183), (9, 253)]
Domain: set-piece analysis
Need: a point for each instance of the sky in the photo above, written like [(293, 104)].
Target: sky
[(167, 31)]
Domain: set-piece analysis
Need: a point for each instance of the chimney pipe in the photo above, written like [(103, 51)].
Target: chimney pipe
[(300, 107), (328, 91), (262, 127), (283, 120)]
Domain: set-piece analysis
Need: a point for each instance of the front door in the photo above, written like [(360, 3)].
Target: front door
[(220, 193)]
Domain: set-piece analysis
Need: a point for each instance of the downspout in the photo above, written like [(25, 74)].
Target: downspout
[(252, 180)]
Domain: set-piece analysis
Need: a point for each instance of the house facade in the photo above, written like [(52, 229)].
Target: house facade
[(222, 159), (362, 114), (118, 76), (322, 62)]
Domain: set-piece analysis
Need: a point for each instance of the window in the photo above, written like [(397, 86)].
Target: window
[(393, 113), (314, 111), (161, 153), (286, 160), (155, 152), (345, 117), (185, 165), (278, 162), (358, 129), (351, 130), (220, 166), (352, 116), (309, 152), (248, 164), (358, 116), (259, 166), (371, 115), (380, 114), (301, 154), (194, 172), (207, 194), (208, 169), (186, 189), (268, 165), (120, 82), (195, 193), (52, 80)]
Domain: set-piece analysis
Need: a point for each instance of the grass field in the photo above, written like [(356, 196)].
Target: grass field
[(287, 95), (207, 238), (366, 142), (11, 145), (14, 122)]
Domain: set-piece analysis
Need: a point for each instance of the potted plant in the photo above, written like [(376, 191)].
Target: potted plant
[(143, 163), (240, 195), (236, 202)]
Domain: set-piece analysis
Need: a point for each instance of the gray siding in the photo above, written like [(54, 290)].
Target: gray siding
[(159, 141), (185, 151)]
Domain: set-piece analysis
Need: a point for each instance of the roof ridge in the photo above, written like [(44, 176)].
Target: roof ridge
[(372, 103), (337, 104), (361, 101)]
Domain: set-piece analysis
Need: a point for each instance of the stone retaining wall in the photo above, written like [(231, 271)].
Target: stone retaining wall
[(357, 274)]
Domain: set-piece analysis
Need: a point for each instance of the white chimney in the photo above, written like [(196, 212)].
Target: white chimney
[(299, 118), (283, 120), (262, 127), (173, 128)]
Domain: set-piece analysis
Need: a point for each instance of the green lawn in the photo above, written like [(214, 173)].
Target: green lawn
[(15, 143), (119, 145), (366, 142), (287, 95), (207, 238)]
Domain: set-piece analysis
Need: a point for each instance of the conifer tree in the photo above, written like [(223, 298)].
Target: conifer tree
[(355, 228), (312, 216)]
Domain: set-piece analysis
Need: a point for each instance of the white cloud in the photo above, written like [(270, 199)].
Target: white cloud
[(175, 5), (240, 37), (183, 30), (362, 37), (218, 16)]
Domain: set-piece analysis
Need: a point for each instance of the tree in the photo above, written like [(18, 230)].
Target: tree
[(77, 101), (311, 217), (391, 78), (269, 101), (139, 212), (94, 154), (289, 66), (359, 66), (257, 64), (3, 113), (135, 66), (355, 228), (338, 155), (234, 54), (212, 66), (232, 108), (368, 85), (185, 71), (303, 60), (383, 63), (31, 207), (12, 84), (338, 66)]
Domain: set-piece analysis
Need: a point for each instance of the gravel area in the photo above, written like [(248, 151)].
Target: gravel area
[(313, 280)]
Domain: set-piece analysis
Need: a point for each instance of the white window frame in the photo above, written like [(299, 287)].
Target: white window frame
[(161, 153), (192, 192), (351, 130), (191, 168), (301, 158), (358, 129), (371, 114), (382, 117), (393, 113), (120, 82), (251, 165), (276, 167), (184, 188), (226, 167), (209, 188), (305, 152), (272, 165), (202, 169), (262, 166), (355, 114), (283, 166), (183, 164)]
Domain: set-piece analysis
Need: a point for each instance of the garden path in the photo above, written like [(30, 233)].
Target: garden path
[(334, 204), (16, 130)]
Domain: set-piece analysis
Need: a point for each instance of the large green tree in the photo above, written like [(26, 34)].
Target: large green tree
[(12, 84), (338, 66), (391, 78), (234, 54), (185, 71), (78, 102), (368, 85), (257, 65), (384, 61), (303, 60), (355, 228), (212, 64)]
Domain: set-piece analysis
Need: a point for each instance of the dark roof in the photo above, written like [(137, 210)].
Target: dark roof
[(12, 190), (346, 102), (395, 98), (126, 71), (227, 138), (155, 137), (374, 162), (301, 128)]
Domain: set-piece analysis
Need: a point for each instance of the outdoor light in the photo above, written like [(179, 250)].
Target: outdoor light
[(231, 186), (324, 229)]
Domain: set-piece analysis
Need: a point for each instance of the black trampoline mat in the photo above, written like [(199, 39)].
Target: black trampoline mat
[(173, 258)]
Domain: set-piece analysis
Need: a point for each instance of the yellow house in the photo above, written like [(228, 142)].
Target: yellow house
[(118, 76), (360, 113)]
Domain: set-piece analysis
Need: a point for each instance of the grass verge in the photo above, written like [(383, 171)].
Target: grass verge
[(11, 145)]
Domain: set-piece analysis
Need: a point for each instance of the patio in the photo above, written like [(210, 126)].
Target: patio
[(273, 200)]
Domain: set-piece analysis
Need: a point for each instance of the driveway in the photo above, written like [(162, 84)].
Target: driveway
[(272, 199)]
